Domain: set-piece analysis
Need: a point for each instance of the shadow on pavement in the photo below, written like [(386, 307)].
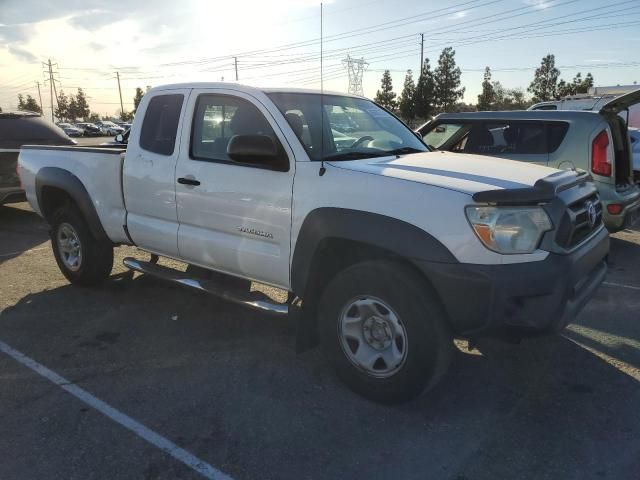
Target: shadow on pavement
[(225, 383), (20, 229)]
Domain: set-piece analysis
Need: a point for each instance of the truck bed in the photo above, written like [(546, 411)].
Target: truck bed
[(98, 168)]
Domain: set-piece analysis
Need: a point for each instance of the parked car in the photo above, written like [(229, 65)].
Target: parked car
[(594, 100), (89, 129), (634, 138), (17, 129), (596, 142), (386, 248), (597, 97), (109, 128), (70, 130), (119, 140)]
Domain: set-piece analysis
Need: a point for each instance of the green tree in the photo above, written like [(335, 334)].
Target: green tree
[(93, 117), (137, 99), (519, 102), (73, 109), (487, 98), (407, 102), (386, 96), (587, 83), (425, 92), (28, 105), (82, 109), (62, 110), (564, 89), (576, 86), (126, 116), (545, 81), (447, 80)]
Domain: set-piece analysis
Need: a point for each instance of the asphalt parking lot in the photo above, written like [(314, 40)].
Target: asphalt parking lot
[(224, 384)]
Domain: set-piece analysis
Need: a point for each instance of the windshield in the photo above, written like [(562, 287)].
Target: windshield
[(441, 134), (351, 128)]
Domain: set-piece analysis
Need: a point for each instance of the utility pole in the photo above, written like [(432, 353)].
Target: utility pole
[(40, 97), (120, 92), (235, 61), (421, 53), (48, 64), (55, 93)]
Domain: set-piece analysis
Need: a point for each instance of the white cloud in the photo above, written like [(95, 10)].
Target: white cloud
[(539, 4), (460, 14)]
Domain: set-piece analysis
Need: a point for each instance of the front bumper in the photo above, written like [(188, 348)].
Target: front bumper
[(537, 296)]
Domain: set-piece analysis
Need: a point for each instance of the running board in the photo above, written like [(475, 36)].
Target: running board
[(254, 300)]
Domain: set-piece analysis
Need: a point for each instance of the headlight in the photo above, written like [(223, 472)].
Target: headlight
[(509, 230)]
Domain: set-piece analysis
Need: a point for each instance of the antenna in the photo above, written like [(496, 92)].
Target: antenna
[(322, 169)]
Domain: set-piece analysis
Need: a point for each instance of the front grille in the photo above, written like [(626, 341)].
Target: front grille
[(576, 224)]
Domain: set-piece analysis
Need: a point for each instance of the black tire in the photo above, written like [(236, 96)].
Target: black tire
[(429, 343), (96, 256)]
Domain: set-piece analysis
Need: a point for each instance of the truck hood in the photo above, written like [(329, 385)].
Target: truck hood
[(456, 171)]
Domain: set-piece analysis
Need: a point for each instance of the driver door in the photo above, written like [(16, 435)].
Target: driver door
[(233, 217)]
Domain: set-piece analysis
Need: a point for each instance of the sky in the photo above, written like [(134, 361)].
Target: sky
[(276, 43)]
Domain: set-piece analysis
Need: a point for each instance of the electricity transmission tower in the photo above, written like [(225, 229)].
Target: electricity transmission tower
[(355, 68)]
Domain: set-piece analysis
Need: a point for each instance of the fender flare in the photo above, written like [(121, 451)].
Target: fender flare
[(70, 184), (396, 236)]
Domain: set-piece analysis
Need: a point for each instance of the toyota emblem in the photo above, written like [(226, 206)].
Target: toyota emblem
[(591, 214)]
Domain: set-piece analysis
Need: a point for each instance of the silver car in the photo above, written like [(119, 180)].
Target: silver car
[(596, 142)]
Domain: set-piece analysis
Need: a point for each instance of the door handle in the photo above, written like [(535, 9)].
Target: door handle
[(188, 181)]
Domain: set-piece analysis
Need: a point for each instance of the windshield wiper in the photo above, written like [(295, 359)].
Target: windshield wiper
[(355, 155), (405, 150)]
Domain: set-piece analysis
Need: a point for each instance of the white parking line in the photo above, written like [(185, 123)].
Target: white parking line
[(620, 285), (127, 422)]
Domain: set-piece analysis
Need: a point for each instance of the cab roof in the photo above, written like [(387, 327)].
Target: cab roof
[(246, 88)]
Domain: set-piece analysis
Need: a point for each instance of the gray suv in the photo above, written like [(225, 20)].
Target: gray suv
[(596, 142)]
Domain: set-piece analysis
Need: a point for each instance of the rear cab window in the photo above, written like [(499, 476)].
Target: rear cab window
[(160, 124)]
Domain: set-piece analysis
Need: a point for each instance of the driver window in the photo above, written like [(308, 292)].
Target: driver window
[(218, 118)]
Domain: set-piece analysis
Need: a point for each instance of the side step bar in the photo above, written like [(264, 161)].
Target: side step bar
[(254, 300)]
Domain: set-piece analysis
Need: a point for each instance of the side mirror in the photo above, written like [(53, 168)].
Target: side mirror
[(441, 129), (255, 150), (119, 138)]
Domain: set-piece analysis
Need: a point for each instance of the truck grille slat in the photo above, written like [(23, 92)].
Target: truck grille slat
[(578, 223)]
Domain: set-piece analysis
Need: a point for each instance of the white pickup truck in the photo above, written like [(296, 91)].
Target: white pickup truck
[(387, 250)]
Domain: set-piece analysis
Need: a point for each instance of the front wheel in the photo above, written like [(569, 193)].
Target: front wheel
[(384, 331), (82, 259)]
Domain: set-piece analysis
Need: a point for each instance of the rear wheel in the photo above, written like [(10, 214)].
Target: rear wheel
[(82, 259), (384, 331)]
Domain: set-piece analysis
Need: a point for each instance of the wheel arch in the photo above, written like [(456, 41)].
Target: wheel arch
[(56, 186), (332, 239)]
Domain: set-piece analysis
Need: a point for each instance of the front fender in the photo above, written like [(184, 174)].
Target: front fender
[(380, 231)]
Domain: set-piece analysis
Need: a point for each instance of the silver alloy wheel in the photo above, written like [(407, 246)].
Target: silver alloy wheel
[(372, 336), (69, 247)]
